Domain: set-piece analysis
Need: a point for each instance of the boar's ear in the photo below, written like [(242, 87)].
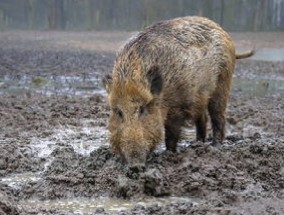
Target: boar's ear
[(107, 80), (155, 80)]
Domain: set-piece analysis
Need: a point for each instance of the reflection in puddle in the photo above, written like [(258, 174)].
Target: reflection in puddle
[(86, 206)]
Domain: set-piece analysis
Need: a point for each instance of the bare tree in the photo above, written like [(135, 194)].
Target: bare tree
[(56, 19)]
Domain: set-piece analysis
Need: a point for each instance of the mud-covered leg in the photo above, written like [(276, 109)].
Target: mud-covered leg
[(217, 114), (172, 136), (217, 106), (201, 127)]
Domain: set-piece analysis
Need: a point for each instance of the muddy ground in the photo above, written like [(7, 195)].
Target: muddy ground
[(54, 142)]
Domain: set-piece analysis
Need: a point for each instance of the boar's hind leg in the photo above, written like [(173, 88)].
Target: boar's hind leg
[(217, 122), (201, 126), (217, 106)]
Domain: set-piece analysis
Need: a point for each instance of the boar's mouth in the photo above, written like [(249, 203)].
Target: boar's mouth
[(136, 162), (135, 159)]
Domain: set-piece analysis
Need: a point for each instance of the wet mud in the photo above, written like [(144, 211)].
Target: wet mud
[(55, 149)]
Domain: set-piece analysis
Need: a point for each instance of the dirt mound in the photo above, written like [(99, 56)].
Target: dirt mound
[(7, 202), (16, 158), (223, 177)]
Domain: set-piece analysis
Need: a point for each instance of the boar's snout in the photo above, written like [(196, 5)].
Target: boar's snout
[(136, 159)]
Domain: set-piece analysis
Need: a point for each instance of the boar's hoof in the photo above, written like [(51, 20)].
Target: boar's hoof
[(216, 143)]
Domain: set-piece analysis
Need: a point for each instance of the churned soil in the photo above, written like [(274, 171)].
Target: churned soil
[(244, 176)]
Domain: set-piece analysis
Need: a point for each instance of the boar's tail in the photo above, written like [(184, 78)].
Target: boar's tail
[(244, 54)]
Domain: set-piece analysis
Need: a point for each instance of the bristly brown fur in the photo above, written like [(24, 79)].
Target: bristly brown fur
[(173, 71)]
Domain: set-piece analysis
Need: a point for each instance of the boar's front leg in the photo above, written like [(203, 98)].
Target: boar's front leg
[(201, 126), (172, 133)]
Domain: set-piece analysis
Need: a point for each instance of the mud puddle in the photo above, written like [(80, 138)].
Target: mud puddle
[(258, 87), (87, 86), (56, 85), (110, 205), (269, 54), (266, 54), (17, 180), (83, 140)]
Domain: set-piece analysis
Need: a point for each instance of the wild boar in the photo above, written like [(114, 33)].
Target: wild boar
[(172, 72)]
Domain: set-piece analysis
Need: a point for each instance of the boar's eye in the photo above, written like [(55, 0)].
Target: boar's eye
[(118, 112), (142, 110)]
